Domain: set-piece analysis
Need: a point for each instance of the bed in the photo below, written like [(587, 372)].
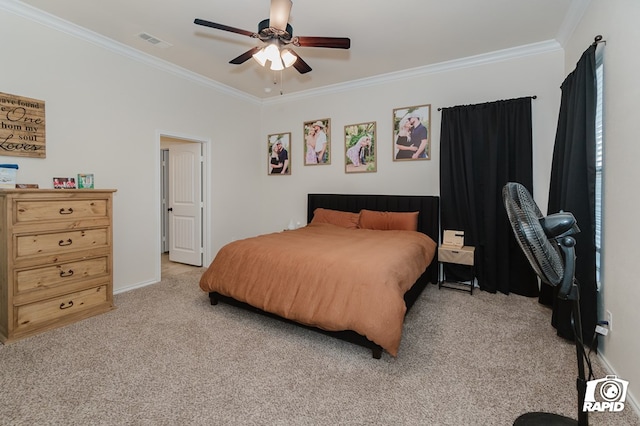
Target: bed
[(339, 279)]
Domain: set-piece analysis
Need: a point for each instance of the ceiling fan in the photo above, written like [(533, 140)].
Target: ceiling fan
[(278, 35)]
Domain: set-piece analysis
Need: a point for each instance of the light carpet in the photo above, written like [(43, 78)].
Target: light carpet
[(165, 356)]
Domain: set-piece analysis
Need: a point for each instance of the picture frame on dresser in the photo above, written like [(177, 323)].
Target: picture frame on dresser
[(64, 183), (85, 181)]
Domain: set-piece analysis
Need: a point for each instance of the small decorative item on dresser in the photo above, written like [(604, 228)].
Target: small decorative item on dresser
[(64, 183), (85, 181), (8, 173)]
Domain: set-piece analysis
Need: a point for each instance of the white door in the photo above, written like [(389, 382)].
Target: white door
[(185, 203)]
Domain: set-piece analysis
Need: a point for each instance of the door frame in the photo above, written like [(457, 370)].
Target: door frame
[(164, 190), (206, 192)]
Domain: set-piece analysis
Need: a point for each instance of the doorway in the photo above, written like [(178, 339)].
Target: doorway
[(183, 206)]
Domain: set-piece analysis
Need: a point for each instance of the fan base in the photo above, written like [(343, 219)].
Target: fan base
[(546, 419)]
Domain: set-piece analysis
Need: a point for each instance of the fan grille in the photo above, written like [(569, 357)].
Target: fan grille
[(543, 253)]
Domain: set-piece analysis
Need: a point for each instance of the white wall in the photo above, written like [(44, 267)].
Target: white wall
[(103, 114), (465, 82), (617, 22)]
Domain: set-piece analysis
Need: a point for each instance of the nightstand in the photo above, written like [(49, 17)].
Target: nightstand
[(460, 256)]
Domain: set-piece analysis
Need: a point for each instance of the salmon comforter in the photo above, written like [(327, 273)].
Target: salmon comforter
[(326, 276)]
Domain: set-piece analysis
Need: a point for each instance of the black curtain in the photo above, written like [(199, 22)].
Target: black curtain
[(572, 189), (482, 147)]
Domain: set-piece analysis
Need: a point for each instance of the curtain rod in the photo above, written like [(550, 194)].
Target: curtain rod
[(532, 97)]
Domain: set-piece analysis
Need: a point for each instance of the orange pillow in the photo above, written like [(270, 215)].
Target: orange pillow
[(336, 217), (388, 221)]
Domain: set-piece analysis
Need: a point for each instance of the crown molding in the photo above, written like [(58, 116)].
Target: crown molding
[(577, 8), (471, 61), (36, 15)]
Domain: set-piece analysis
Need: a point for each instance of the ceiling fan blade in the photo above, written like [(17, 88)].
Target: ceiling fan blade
[(331, 42), (245, 56), (224, 27), (301, 65), (279, 14)]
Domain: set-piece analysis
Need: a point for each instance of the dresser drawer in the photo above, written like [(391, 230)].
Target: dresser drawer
[(56, 275), (60, 210), (58, 308), (61, 242)]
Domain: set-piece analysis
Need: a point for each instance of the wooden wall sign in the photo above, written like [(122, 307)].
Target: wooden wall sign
[(22, 126)]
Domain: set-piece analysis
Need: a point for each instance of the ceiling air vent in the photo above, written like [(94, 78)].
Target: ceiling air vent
[(154, 40)]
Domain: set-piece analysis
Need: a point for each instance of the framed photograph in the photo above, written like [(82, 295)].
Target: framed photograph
[(317, 142), (360, 148), (279, 149), (412, 133), (85, 181), (64, 183)]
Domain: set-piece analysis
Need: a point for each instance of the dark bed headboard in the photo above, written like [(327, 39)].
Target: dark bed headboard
[(427, 205)]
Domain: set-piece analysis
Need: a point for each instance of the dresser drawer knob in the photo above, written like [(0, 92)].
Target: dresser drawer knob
[(66, 273), (66, 211), (65, 243), (66, 305)]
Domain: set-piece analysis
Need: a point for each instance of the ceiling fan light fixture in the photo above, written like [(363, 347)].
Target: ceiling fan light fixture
[(272, 52), (261, 57), (288, 57), (277, 65)]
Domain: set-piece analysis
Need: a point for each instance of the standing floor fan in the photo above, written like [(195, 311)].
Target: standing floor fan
[(549, 246)]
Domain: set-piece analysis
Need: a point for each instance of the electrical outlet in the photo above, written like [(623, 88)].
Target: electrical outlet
[(610, 320)]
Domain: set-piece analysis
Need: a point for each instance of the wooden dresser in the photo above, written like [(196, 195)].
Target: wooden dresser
[(55, 258)]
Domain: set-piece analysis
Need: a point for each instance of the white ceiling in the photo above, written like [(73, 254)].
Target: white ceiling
[(386, 35)]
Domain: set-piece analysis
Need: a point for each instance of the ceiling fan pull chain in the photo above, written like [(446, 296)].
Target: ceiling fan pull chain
[(280, 83)]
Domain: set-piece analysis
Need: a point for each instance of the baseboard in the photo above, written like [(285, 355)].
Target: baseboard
[(135, 286), (631, 400)]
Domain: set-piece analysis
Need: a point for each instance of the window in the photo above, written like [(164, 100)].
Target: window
[(598, 201)]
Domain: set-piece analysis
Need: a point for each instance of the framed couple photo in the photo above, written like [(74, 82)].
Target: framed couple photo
[(279, 154), (317, 142), (412, 133), (360, 148)]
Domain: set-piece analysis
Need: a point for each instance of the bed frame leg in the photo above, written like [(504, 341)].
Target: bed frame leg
[(376, 352), (213, 299)]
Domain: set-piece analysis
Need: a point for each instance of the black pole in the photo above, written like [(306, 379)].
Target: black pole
[(581, 382), (567, 245)]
